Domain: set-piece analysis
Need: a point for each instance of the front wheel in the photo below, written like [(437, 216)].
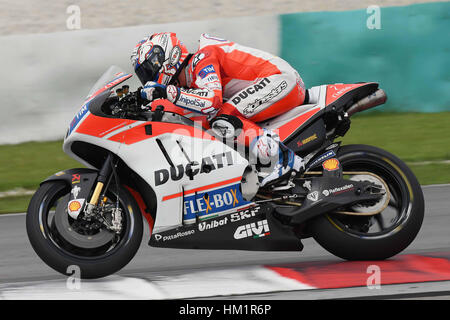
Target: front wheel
[(377, 237), (66, 244)]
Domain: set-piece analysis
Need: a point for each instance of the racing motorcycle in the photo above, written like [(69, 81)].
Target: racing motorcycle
[(159, 163)]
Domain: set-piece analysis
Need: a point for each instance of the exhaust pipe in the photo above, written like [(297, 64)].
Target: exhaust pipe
[(373, 100)]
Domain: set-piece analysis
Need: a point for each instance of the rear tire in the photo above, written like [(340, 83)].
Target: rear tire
[(349, 237), (60, 255)]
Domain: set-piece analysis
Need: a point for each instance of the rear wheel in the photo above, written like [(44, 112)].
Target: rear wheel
[(66, 244), (385, 234)]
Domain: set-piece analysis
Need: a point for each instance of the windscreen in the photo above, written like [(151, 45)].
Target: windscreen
[(111, 78)]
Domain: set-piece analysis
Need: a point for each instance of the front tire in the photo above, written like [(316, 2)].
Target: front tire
[(61, 255), (385, 234)]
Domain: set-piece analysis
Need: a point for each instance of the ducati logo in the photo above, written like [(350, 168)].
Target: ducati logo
[(209, 163)]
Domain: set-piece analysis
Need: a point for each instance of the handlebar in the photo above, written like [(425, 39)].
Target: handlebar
[(128, 104)]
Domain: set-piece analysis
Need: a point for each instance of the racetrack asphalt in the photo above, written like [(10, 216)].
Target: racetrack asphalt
[(19, 263)]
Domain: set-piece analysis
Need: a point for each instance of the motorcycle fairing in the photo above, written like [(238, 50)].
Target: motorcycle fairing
[(310, 138), (145, 211), (151, 147), (254, 228), (290, 122), (199, 118), (212, 202), (341, 94), (120, 77), (331, 96)]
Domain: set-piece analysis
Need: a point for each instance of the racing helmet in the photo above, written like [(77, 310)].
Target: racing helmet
[(159, 58)]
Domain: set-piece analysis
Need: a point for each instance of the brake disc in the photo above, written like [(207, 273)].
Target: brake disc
[(69, 234), (381, 204)]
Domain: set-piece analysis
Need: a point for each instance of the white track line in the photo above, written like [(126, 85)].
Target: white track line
[(16, 193), (227, 282), (436, 185), (113, 287), (12, 214), (423, 163), (249, 280)]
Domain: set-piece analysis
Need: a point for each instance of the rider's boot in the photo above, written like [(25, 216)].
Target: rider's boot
[(268, 147)]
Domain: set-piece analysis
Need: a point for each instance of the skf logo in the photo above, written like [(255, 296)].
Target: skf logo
[(248, 213), (255, 230)]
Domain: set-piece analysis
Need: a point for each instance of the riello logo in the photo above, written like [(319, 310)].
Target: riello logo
[(255, 230)]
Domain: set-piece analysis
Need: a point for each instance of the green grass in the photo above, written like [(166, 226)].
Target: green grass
[(431, 173), (14, 204), (25, 165), (412, 137)]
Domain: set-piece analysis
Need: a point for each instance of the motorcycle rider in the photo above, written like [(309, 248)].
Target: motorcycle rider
[(236, 86)]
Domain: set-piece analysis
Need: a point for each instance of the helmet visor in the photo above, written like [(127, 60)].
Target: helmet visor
[(148, 70)]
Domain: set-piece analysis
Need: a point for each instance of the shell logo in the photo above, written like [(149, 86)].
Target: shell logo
[(74, 206), (331, 164)]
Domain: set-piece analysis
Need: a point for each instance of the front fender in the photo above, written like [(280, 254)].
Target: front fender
[(73, 176), (81, 182), (85, 178)]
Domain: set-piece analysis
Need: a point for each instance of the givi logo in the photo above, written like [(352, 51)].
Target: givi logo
[(255, 230)]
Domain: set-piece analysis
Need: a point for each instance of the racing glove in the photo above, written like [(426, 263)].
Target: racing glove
[(153, 90), (197, 100)]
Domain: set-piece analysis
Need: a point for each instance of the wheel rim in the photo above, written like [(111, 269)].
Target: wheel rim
[(47, 214), (390, 220)]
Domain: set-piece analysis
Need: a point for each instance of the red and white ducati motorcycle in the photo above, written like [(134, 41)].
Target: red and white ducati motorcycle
[(357, 201)]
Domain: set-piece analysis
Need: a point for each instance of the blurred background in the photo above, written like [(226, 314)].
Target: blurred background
[(53, 52)]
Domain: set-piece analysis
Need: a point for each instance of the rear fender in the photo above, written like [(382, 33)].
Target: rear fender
[(327, 152)]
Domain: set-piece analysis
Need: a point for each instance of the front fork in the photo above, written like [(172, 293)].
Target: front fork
[(92, 210), (104, 174), (104, 177)]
